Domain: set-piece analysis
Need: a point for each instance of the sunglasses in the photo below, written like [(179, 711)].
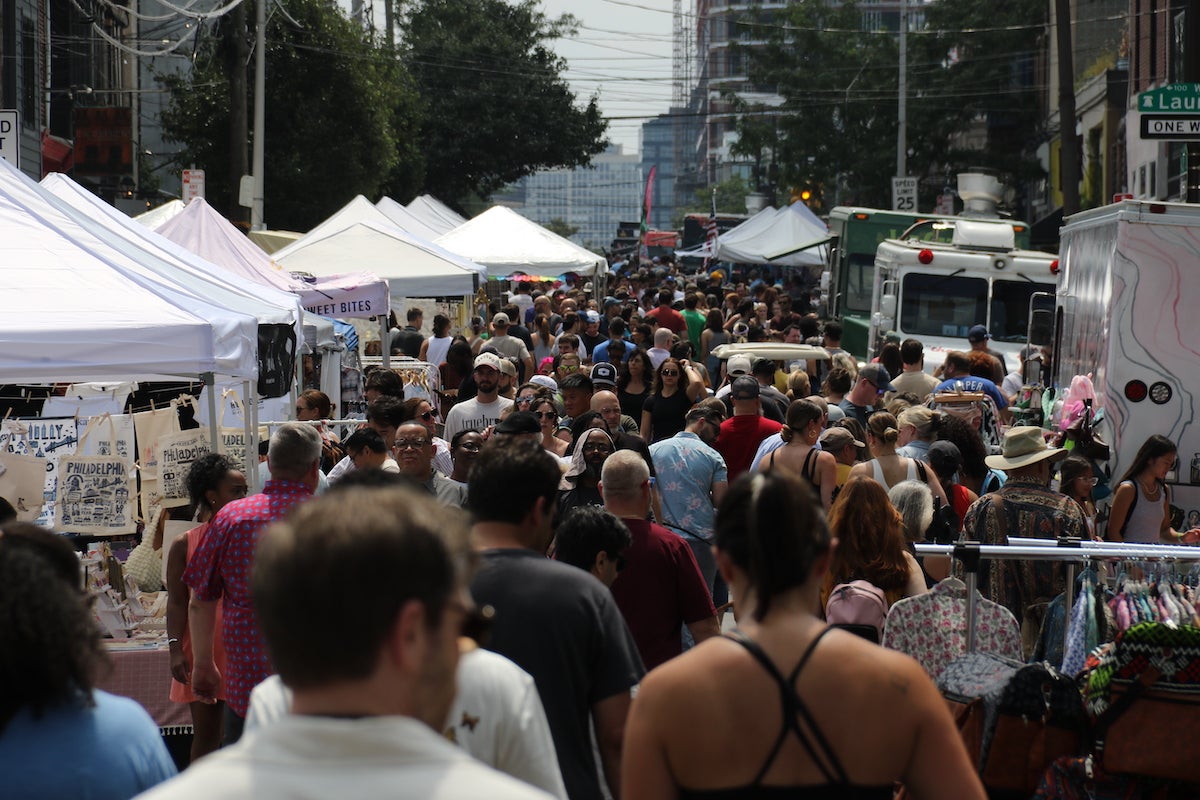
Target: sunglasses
[(591, 447), (524, 401), (410, 444), (428, 415), (545, 414), (669, 373)]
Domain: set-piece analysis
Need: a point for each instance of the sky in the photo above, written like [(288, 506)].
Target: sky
[(622, 51)]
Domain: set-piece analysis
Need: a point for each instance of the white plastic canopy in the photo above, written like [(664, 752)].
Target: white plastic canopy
[(72, 309), (157, 216), (762, 236), (404, 219), (412, 268), (435, 213), (201, 230), (505, 242)]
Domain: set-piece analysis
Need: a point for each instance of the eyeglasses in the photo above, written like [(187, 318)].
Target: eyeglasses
[(428, 415), (566, 368), (592, 447), (1092, 481), (669, 373), (410, 444), (524, 401), (545, 414), (611, 410)]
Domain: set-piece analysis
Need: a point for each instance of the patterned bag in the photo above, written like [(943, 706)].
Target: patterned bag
[(1080, 778), (1015, 718), (1149, 691)]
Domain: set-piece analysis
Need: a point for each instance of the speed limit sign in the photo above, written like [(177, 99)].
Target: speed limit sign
[(904, 194)]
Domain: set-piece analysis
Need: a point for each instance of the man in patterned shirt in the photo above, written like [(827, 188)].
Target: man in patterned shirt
[(693, 481), (220, 570)]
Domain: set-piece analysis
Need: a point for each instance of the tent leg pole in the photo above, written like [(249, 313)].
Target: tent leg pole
[(250, 423), (385, 347), (214, 421)]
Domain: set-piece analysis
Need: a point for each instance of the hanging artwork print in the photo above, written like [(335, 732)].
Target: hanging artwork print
[(43, 438), (94, 496), (175, 454)]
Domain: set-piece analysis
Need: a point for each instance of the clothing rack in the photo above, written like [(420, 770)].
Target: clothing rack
[(1066, 549)]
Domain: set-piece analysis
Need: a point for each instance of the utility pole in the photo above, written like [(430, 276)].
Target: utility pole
[(902, 111), (1069, 156), (1191, 74), (260, 115), (236, 53)]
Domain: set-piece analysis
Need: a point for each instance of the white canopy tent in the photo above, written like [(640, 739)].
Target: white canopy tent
[(404, 219), (160, 214), (411, 267), (505, 242), (755, 242), (71, 310), (435, 213)]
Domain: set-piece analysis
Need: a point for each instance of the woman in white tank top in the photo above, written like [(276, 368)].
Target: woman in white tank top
[(1141, 508), (887, 467)]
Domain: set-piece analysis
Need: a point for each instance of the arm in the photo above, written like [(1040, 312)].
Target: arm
[(916, 581), (423, 352), (177, 608), (696, 389), (938, 767), (645, 771), (202, 620), (705, 343), (1118, 511), (827, 471), (704, 629), (608, 716), (647, 429), (718, 491)]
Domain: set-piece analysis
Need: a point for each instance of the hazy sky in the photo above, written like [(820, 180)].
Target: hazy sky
[(623, 52)]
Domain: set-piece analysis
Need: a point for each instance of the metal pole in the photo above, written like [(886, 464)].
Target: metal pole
[(902, 111), (250, 457), (260, 115), (214, 418)]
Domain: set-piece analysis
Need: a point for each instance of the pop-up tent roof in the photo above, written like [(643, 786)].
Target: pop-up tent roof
[(360, 209), (201, 230), (505, 242), (755, 241), (435, 213), (157, 216), (70, 309), (411, 267), (270, 241), (405, 220)]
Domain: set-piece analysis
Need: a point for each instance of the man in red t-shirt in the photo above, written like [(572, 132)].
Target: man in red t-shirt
[(666, 316), (660, 589), (742, 433)]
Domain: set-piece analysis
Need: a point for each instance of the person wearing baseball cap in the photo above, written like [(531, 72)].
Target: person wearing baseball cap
[(1024, 506), (840, 442), (604, 375), (742, 433), (484, 408), (979, 337), (872, 383), (509, 346)]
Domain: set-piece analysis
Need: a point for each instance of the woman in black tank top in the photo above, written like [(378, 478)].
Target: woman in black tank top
[(787, 706)]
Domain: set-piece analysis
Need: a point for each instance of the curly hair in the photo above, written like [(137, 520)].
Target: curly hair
[(969, 443), (50, 648), (870, 536), (205, 474)]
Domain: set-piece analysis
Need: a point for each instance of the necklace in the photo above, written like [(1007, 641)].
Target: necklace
[(1152, 493)]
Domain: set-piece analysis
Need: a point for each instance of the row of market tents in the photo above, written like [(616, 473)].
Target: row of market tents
[(791, 236)]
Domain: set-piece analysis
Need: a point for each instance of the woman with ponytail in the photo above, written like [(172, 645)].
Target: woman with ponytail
[(887, 467), (829, 705), (798, 454)]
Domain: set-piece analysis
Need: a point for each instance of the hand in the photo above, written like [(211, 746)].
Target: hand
[(181, 670), (1192, 536), (206, 682)]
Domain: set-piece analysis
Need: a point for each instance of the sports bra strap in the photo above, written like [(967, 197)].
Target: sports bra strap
[(809, 468), (793, 708)]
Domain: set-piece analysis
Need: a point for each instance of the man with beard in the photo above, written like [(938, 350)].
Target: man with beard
[(484, 408), (414, 454), (606, 404), (580, 484), (694, 481)]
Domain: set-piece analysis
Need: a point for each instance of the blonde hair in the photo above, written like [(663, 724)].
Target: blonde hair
[(799, 384), (882, 426), (925, 420)]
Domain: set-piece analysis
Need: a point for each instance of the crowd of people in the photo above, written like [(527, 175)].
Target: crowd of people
[(463, 597)]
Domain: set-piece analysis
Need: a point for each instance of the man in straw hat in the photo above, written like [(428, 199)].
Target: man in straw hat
[(1024, 507)]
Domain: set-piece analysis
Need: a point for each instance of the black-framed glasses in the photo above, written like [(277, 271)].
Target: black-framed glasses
[(668, 373), (545, 414), (596, 447), (428, 415), (524, 401), (410, 444)]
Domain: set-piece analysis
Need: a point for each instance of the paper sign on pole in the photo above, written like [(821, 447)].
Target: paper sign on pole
[(193, 185)]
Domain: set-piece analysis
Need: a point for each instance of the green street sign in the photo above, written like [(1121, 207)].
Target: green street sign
[(1174, 98)]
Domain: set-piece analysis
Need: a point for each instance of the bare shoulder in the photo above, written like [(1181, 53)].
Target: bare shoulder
[(883, 675)]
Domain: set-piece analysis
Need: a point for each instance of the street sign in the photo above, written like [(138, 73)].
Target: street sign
[(1171, 127), (1174, 98), (10, 139), (945, 204), (193, 185), (904, 194)]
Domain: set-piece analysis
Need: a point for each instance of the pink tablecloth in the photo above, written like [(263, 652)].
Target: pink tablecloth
[(145, 676)]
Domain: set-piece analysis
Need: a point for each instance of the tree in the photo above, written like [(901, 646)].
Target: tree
[(341, 116), (496, 107), (561, 227), (731, 199)]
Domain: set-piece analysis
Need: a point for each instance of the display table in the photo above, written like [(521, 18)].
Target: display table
[(144, 674)]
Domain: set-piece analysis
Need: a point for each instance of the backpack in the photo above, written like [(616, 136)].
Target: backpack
[(859, 606)]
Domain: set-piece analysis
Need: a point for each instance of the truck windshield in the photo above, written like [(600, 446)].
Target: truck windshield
[(1010, 308), (941, 305)]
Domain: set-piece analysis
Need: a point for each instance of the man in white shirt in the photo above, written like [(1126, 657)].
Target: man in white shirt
[(372, 692), (509, 346), (484, 408)]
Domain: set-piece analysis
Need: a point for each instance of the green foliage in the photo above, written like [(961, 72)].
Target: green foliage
[(561, 227), (731, 199), (339, 117), (496, 107)]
